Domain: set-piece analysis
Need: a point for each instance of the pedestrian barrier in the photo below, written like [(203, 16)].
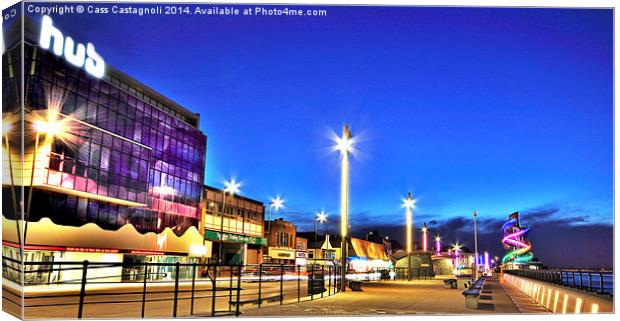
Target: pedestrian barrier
[(159, 289)]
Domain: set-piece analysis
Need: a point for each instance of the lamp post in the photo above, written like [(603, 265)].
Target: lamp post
[(344, 144), (6, 128), (475, 247), (231, 187), (408, 204), (457, 255), (320, 218), (424, 238), (438, 244), (278, 203), (51, 127)]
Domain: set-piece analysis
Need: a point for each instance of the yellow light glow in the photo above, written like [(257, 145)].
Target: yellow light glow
[(408, 204), (565, 304), (424, 229), (555, 301), (548, 298), (344, 145), (594, 308), (321, 217), (578, 304), (437, 238)]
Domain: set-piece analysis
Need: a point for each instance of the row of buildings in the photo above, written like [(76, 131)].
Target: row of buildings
[(106, 169)]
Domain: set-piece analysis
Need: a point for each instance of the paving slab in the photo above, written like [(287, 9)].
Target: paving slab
[(395, 298)]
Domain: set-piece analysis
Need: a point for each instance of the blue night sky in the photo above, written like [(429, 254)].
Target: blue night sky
[(496, 110)]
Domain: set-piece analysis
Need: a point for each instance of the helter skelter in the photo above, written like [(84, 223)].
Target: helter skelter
[(514, 241)]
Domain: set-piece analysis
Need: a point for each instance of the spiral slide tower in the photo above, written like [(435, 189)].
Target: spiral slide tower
[(519, 249)]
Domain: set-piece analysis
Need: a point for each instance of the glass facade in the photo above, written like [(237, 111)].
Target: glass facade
[(126, 154)]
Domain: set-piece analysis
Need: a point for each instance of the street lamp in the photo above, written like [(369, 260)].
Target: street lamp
[(51, 127), (320, 218), (276, 203), (438, 244), (7, 126), (231, 187), (344, 145), (457, 255), (424, 238), (408, 204)]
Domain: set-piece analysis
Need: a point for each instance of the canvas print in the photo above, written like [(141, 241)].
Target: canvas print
[(172, 160)]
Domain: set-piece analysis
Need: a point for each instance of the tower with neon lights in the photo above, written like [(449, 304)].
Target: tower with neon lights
[(519, 248)]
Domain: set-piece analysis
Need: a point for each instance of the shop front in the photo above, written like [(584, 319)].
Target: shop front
[(236, 248), (59, 245), (282, 255)]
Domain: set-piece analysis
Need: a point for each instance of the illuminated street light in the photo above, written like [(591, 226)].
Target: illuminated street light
[(438, 244), (320, 218), (409, 204), (7, 126), (52, 126), (231, 187), (457, 255), (424, 238), (344, 145), (276, 203)]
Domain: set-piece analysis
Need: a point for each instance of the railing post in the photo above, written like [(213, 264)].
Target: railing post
[(601, 282), (580, 280), (146, 276), (237, 313), (329, 284), (260, 283), (311, 283), (83, 289), (281, 283), (230, 287), (213, 288), (298, 283), (176, 289), (191, 308), (322, 278)]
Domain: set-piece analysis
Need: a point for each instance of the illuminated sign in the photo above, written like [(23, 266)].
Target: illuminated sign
[(76, 54), (91, 250)]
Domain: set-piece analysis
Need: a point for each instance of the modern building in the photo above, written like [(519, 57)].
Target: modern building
[(111, 170), (234, 224), (281, 240)]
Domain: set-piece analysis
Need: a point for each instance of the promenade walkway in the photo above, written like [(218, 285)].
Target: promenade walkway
[(396, 298)]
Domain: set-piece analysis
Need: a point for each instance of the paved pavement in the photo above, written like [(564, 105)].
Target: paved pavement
[(397, 298)]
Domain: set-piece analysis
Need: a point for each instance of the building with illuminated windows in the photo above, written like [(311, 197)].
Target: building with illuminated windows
[(234, 224), (111, 170)]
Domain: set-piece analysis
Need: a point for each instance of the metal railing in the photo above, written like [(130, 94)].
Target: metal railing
[(129, 290), (592, 281)]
